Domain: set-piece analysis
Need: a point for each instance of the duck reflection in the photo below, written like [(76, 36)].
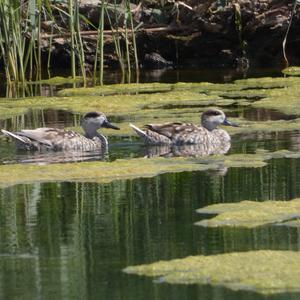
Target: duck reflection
[(56, 157), (194, 150)]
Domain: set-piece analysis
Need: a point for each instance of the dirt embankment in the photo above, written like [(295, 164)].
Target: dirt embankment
[(196, 33)]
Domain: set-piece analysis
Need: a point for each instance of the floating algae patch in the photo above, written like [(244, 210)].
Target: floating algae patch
[(288, 104), (58, 80), (170, 102), (113, 104), (292, 223), (275, 93), (244, 160), (244, 94), (265, 271), (246, 126), (148, 88), (284, 98), (96, 171), (268, 82), (250, 214), (8, 112), (117, 89), (291, 71), (206, 86), (131, 168)]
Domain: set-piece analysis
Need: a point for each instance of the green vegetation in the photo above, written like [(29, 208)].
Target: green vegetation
[(292, 223), (291, 71), (259, 93), (95, 171), (156, 102), (182, 102), (21, 37), (250, 213), (130, 168), (265, 271)]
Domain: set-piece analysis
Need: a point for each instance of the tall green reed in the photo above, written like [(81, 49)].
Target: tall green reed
[(21, 37), (20, 40), (124, 38), (100, 45)]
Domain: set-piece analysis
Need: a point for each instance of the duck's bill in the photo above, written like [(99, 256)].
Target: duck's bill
[(228, 123), (106, 124)]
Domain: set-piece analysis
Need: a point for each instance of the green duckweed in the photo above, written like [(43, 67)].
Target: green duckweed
[(250, 213), (131, 168), (291, 71), (182, 102), (265, 271)]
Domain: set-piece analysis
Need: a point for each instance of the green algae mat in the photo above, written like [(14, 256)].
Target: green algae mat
[(266, 272), (252, 214), (162, 102), (100, 172), (291, 71), (103, 172), (156, 102), (275, 93)]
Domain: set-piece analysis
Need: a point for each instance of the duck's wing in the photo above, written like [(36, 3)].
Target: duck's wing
[(27, 140), (52, 137), (166, 129), (48, 138), (179, 133), (44, 136), (171, 133)]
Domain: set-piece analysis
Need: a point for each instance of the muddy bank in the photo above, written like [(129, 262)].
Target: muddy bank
[(195, 33)]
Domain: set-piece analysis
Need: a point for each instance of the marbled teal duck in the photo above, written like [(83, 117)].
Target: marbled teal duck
[(65, 140), (207, 133)]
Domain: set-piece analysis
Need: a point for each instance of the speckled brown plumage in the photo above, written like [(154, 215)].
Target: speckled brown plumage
[(186, 133), (58, 139)]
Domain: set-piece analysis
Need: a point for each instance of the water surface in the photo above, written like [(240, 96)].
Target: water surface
[(72, 240)]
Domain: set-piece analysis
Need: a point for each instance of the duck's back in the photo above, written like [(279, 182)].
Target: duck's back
[(187, 133), (58, 139)]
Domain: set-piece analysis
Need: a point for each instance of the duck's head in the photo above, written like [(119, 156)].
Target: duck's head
[(92, 121), (213, 117)]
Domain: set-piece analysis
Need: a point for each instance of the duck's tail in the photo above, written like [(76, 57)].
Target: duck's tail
[(150, 137), (142, 134), (22, 142), (15, 136)]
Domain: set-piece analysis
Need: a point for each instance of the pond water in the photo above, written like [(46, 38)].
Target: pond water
[(71, 240)]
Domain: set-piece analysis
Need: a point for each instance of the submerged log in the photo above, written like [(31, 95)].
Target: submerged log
[(119, 31)]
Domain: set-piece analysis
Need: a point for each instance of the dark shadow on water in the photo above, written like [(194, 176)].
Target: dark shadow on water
[(238, 97), (115, 76), (35, 118), (49, 157), (262, 114)]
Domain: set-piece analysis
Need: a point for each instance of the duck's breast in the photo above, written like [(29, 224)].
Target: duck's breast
[(77, 142), (219, 136)]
